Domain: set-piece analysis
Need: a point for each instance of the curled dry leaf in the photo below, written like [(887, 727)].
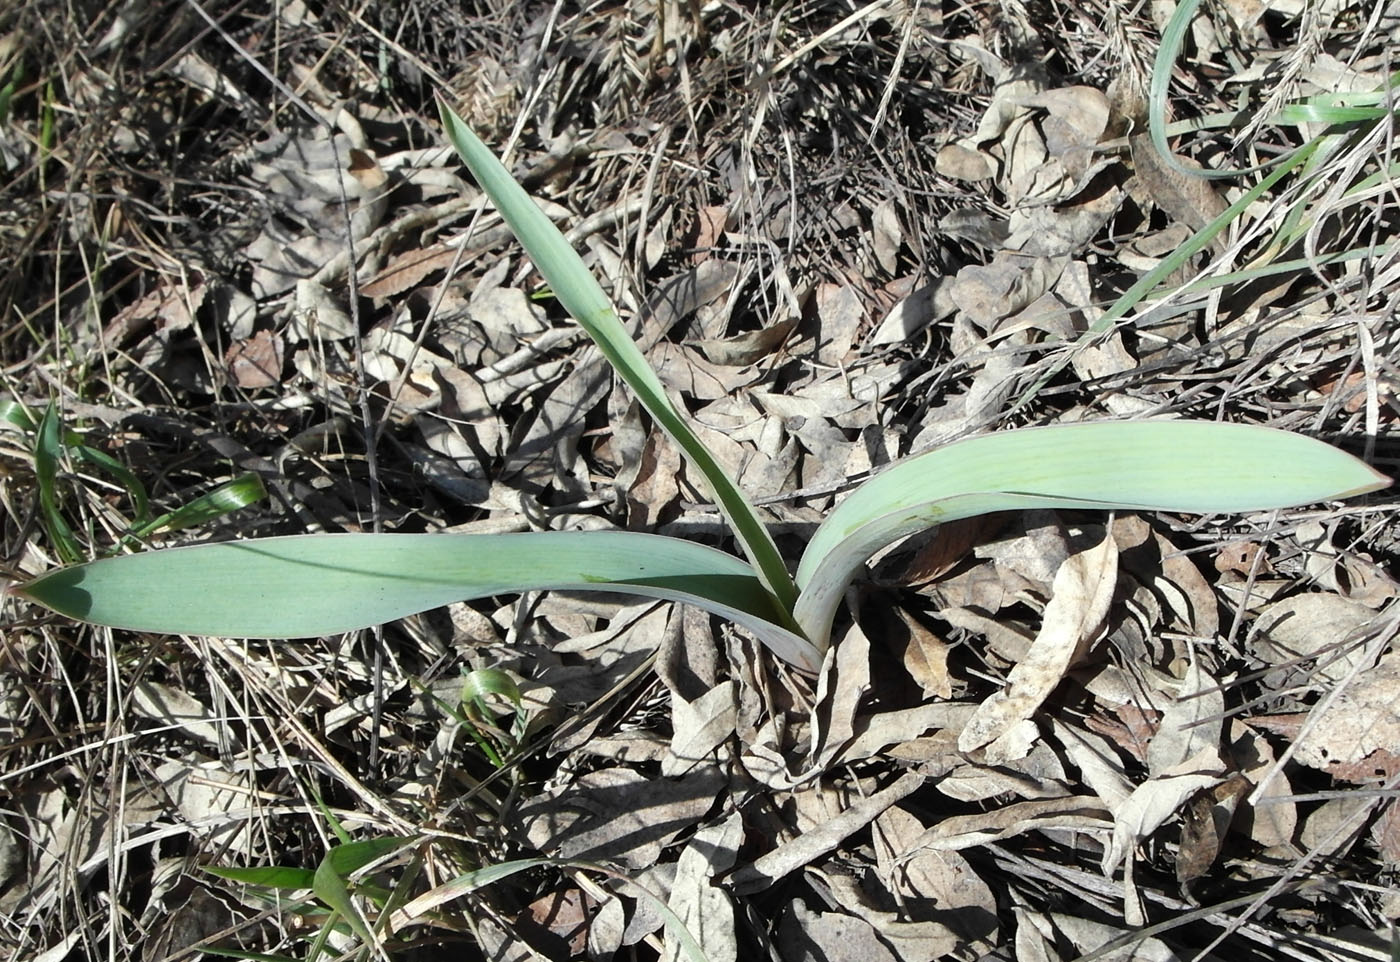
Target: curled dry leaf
[(1079, 602), (1191, 725), (256, 362), (704, 907), (1156, 800), (944, 877), (1298, 630), (768, 868), (1363, 718)]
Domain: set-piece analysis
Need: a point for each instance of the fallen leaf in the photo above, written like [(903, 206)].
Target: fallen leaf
[(1298, 631), (1155, 801), (945, 877), (809, 936), (1204, 826), (618, 814), (809, 846), (957, 832), (1364, 717), (1188, 200), (256, 362), (703, 906), (408, 270), (1192, 723), (1079, 602)]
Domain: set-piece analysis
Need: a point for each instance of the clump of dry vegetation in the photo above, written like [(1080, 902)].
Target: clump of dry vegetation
[(238, 248)]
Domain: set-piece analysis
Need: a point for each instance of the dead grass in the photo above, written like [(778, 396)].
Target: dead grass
[(838, 255)]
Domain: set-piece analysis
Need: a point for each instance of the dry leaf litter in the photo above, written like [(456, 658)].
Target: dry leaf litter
[(842, 234)]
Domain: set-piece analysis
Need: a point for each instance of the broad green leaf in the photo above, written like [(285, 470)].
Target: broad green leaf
[(579, 293), (1193, 466), (313, 585)]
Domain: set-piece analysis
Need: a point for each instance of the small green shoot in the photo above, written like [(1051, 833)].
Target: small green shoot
[(52, 444)]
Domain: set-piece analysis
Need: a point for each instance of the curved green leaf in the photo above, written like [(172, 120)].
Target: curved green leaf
[(312, 585), (578, 291), (1194, 466)]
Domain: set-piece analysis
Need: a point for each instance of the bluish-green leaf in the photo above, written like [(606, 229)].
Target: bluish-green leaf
[(1193, 466), (314, 585)]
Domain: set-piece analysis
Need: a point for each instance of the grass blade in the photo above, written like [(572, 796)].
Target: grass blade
[(1193, 466), (578, 291), (313, 585)]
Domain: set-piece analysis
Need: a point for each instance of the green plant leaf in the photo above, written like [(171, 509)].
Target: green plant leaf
[(314, 585), (266, 876), (350, 857), (48, 452), (1193, 466), (330, 888), (228, 497), (578, 291)]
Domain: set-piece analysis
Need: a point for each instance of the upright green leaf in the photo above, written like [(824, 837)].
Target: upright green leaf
[(578, 291)]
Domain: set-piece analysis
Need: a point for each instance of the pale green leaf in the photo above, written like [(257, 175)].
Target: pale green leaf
[(314, 585), (1192, 466)]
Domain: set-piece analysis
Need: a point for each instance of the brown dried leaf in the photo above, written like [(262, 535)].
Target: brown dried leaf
[(1079, 602), (1192, 724), (809, 936), (749, 347), (925, 657), (657, 485), (169, 307), (1204, 826), (1272, 819), (1385, 832), (699, 727), (559, 917), (1364, 717), (888, 235), (824, 838), (1098, 764), (910, 941), (1003, 287), (966, 831), (1312, 626), (256, 362), (1188, 200), (1155, 801), (1242, 557), (943, 877), (683, 369), (839, 691), (408, 270), (945, 549), (618, 814)]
